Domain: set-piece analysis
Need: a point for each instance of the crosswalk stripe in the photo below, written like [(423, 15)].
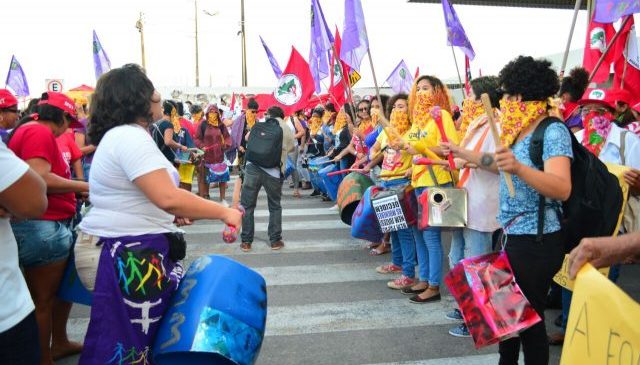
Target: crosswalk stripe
[(466, 360), (299, 212), (216, 226), (312, 245), (319, 274)]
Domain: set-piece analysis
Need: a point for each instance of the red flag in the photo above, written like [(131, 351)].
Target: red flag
[(233, 101), (627, 60), (467, 75), (598, 36), (337, 90), (295, 86), (415, 77)]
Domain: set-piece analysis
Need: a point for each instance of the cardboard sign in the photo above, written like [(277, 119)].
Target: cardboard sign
[(562, 276), (389, 213), (603, 323)]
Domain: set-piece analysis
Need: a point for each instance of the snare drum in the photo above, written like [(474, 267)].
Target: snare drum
[(350, 193)]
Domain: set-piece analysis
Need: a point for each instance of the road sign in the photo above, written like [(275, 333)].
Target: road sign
[(54, 85), (354, 77)]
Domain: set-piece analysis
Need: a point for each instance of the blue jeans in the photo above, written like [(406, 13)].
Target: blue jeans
[(42, 242), (403, 247), (467, 242), (429, 250)]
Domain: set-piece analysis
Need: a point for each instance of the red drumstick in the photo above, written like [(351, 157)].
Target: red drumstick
[(436, 113)]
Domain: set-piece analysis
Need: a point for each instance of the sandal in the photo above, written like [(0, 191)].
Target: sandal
[(373, 245), (296, 194), (379, 251)]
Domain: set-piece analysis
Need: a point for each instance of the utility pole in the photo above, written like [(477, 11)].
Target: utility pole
[(197, 56), (140, 27), (244, 45)]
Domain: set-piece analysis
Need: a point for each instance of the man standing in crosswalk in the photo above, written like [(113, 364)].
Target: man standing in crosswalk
[(268, 144)]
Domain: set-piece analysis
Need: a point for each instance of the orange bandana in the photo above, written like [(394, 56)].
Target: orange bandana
[(341, 122), (175, 120), (365, 125), (251, 119), (314, 125), (422, 107), (517, 116), (399, 121), (212, 119), (471, 110)]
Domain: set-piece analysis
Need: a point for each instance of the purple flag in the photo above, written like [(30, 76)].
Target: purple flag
[(400, 79), (609, 11), (101, 61), (355, 42), (272, 60), (455, 33), (16, 79), (321, 40)]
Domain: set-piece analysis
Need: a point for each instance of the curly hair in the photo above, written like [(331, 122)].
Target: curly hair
[(393, 100), (122, 96), (441, 93), (487, 85), (575, 84), (534, 79)]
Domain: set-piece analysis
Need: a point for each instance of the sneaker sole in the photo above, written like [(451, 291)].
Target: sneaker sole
[(276, 248), (454, 319), (458, 335)]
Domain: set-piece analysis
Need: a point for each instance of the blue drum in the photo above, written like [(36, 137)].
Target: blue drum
[(315, 165), (331, 183), (217, 316), (289, 168), (364, 223)]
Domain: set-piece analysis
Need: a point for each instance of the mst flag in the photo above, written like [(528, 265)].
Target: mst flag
[(400, 79), (467, 75), (609, 11), (101, 61), (455, 33), (598, 36), (321, 41), (355, 42), (627, 60), (16, 79), (272, 60), (295, 86), (337, 90)]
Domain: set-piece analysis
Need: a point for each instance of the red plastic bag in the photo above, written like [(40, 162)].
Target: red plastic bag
[(490, 300)]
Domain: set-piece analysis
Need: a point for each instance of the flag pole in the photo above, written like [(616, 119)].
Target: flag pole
[(455, 60), (347, 86), (375, 79), (606, 51), (576, 9)]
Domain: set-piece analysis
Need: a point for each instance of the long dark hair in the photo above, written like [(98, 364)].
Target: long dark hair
[(122, 96)]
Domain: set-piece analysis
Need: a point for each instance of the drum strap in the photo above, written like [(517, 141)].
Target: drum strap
[(467, 172)]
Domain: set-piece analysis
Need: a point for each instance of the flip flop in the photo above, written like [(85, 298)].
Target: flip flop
[(373, 245), (375, 252)]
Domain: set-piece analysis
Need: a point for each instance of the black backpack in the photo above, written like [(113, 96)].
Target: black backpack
[(264, 147), (158, 138), (595, 202)]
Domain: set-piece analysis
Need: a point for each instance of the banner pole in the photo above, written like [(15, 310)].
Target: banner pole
[(576, 9), (455, 60), (375, 79)]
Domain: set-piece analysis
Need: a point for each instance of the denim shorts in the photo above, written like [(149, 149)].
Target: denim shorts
[(42, 242)]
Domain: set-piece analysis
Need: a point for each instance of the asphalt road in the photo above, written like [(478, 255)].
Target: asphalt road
[(327, 305)]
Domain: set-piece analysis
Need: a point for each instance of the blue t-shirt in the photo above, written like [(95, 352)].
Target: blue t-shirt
[(521, 211), (328, 142)]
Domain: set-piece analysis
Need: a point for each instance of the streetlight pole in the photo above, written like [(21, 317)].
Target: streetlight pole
[(197, 56), (244, 45), (140, 27)]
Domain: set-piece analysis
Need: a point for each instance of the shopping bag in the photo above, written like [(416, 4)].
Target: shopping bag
[(442, 207), (395, 208), (491, 302)]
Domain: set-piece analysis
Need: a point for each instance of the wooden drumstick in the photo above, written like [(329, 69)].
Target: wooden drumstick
[(486, 103)]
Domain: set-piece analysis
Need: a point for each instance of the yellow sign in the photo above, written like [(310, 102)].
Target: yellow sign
[(354, 77), (562, 276), (603, 323)]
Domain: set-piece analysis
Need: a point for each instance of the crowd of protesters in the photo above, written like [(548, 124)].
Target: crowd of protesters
[(132, 157)]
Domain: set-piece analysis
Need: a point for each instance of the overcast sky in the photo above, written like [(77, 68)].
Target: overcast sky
[(52, 39)]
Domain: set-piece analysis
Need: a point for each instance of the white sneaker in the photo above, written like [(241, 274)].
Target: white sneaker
[(224, 203), (335, 207)]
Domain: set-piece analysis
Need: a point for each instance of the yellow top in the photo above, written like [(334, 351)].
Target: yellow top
[(395, 162), (422, 139)]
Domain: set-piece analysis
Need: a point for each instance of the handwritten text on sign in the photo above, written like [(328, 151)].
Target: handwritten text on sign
[(562, 276), (603, 323), (389, 213)]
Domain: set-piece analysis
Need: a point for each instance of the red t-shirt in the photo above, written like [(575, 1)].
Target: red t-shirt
[(68, 147), (35, 140), (184, 123)]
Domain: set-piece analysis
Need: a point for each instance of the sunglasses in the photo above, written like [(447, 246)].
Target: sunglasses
[(363, 109), (12, 111)]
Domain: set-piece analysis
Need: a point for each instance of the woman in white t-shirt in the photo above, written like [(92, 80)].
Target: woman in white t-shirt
[(136, 199), (481, 185)]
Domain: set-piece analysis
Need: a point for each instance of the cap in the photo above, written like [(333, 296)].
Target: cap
[(598, 96), (7, 99), (64, 103)]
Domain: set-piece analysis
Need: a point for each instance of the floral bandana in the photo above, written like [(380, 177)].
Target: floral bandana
[(212, 118), (596, 131), (399, 121), (517, 116), (175, 120), (341, 122), (197, 117), (365, 125), (326, 117), (314, 125), (423, 104), (251, 119), (471, 110)]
